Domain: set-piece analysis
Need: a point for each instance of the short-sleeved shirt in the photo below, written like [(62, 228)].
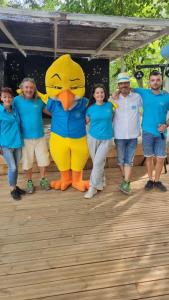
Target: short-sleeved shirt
[(10, 133), (127, 117), (30, 112), (155, 108), (101, 121), (70, 123)]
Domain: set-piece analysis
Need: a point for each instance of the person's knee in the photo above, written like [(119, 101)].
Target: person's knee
[(160, 160), (149, 159), (13, 169)]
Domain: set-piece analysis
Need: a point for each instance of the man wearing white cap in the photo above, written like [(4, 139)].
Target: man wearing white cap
[(126, 128)]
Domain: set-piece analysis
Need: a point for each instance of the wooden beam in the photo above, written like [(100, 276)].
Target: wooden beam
[(55, 37), (71, 51), (12, 13), (11, 38), (150, 40), (108, 40)]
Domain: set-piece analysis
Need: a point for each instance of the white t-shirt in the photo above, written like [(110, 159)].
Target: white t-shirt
[(127, 116)]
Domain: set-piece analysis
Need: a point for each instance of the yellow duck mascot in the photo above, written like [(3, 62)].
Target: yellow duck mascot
[(65, 88)]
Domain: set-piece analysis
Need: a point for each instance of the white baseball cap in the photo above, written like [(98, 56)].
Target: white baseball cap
[(123, 77)]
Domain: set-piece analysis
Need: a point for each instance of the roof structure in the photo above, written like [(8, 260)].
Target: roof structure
[(55, 33)]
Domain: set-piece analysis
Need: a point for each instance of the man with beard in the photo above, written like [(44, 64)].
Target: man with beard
[(154, 125), (126, 128)]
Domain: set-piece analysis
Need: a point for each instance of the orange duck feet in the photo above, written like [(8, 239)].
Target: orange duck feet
[(78, 183), (64, 182)]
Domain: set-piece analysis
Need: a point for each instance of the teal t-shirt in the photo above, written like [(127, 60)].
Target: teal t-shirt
[(30, 112), (10, 133), (101, 118), (155, 109)]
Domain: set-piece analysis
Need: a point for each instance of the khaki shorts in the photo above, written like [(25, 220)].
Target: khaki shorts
[(35, 148)]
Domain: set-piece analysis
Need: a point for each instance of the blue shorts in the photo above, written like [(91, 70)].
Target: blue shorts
[(154, 145), (125, 151)]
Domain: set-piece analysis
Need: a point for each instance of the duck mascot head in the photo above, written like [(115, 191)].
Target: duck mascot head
[(65, 88)]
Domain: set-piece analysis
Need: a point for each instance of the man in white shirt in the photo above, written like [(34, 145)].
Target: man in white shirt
[(126, 128)]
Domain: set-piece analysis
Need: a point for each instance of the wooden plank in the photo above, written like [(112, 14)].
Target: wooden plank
[(69, 267), (128, 292), (106, 294)]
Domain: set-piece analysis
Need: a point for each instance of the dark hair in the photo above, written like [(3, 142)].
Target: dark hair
[(92, 99), (154, 73), (6, 90)]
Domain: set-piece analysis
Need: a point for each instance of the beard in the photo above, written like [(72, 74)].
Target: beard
[(156, 88)]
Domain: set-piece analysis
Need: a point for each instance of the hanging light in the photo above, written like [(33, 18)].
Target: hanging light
[(167, 72), (138, 74)]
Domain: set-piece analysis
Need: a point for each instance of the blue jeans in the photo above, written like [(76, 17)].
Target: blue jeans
[(154, 145), (125, 151), (12, 158)]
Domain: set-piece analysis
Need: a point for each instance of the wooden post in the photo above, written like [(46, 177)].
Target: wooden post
[(2, 66)]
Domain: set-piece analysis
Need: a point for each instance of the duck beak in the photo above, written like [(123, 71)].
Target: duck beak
[(66, 98)]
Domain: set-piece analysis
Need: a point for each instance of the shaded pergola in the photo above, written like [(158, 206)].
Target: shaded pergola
[(95, 36)]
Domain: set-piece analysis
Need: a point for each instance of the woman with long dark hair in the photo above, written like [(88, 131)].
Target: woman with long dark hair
[(99, 116)]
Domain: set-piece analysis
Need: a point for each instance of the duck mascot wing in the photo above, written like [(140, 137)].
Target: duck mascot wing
[(65, 88)]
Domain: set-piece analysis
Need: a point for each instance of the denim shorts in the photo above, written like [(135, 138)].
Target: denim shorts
[(125, 151), (154, 145)]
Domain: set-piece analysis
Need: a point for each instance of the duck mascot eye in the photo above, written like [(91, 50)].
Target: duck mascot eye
[(65, 88)]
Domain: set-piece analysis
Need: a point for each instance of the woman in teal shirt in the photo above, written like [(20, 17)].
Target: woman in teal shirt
[(99, 115), (10, 140)]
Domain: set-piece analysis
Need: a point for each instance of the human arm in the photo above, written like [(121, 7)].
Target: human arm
[(87, 120), (46, 112)]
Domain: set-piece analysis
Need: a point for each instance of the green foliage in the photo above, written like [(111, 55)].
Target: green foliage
[(131, 8)]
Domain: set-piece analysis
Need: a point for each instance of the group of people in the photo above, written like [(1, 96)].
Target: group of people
[(22, 132)]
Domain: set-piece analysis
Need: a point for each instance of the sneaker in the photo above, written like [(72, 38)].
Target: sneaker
[(161, 187), (30, 187), (149, 185), (15, 195), (20, 191), (90, 193), (125, 187), (44, 184)]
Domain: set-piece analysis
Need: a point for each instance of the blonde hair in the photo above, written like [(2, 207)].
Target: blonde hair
[(35, 95)]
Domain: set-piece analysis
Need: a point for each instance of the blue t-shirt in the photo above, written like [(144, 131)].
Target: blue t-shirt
[(10, 133), (70, 123), (155, 108), (101, 118), (30, 112)]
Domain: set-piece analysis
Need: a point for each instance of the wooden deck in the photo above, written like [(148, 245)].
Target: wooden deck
[(58, 246)]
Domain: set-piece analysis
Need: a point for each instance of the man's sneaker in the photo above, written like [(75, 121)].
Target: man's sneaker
[(90, 193), (44, 184), (125, 187), (30, 187), (160, 186), (15, 195), (20, 191), (149, 185)]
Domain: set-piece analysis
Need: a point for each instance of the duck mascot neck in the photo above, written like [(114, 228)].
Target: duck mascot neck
[(65, 88)]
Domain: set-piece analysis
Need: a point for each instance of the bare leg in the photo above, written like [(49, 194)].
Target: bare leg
[(127, 173), (122, 170), (150, 167), (42, 172), (158, 168), (28, 174)]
